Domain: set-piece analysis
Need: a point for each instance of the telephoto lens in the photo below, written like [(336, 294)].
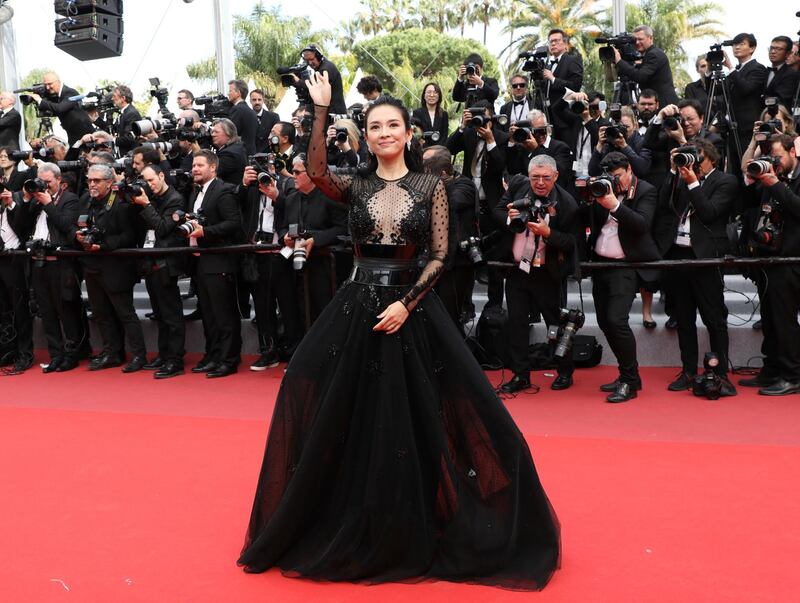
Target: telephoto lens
[(758, 167), (299, 255), (600, 187)]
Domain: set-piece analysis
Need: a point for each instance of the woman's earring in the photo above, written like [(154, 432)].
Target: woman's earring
[(408, 145), (369, 150)]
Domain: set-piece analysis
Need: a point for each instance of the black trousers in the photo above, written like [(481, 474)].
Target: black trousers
[(14, 300), (165, 297), (276, 288), (694, 290), (613, 292), (780, 299), (527, 294), (317, 285), (494, 275), (454, 288), (55, 285), (108, 305), (222, 324)]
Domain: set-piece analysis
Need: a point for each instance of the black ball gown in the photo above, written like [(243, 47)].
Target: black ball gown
[(390, 457)]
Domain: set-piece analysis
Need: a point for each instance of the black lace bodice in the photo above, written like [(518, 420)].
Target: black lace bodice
[(412, 210)]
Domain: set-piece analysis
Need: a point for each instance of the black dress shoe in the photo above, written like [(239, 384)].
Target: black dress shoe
[(671, 324), (23, 363), (54, 364), (204, 366), (516, 384), (104, 361), (610, 387), (623, 393), (649, 324), (222, 370), (781, 387), (67, 364), (760, 380), (757, 325), (561, 382), (136, 364), (682, 383), (155, 364), (170, 369), (196, 315)]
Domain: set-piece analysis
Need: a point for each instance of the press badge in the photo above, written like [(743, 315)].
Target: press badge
[(150, 239), (683, 239)]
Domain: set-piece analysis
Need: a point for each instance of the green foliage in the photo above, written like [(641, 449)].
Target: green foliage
[(35, 76)]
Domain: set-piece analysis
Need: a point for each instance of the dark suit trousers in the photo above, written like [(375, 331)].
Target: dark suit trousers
[(108, 305), (165, 298), (276, 287), (14, 292), (614, 291), (221, 321), (60, 309), (318, 285), (494, 275), (696, 290), (527, 294), (780, 304), (454, 288)]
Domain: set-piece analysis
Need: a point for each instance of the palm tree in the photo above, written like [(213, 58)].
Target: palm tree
[(372, 20)]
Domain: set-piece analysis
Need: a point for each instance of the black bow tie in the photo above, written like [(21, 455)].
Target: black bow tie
[(518, 103), (554, 62)]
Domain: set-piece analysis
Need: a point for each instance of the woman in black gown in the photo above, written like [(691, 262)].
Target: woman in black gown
[(389, 456)]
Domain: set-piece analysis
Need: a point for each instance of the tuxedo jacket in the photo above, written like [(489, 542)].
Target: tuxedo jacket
[(653, 72), (560, 257), (223, 227), (573, 123), (17, 218), (250, 203), (232, 160), (745, 87), (783, 85), (10, 126), (73, 118), (518, 158), (440, 123), (635, 219), (266, 121), (158, 217), (61, 218), (698, 91), (711, 203), (506, 110), (785, 193), (246, 122), (489, 91), (125, 138), (321, 217), (493, 162)]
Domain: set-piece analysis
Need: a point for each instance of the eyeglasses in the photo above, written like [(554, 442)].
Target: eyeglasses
[(778, 49), (96, 180), (297, 172), (541, 178), (519, 85)]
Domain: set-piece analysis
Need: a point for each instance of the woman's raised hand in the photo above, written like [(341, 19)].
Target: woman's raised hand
[(319, 88)]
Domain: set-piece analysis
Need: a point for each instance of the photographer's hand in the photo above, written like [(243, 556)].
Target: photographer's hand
[(609, 201), (141, 199), (548, 75), (512, 212), (465, 117), (768, 178), (249, 175), (462, 70), (43, 198), (486, 134), (331, 134), (309, 246), (688, 175), (197, 233), (539, 228), (617, 55), (270, 190), (319, 89), (530, 144), (6, 198)]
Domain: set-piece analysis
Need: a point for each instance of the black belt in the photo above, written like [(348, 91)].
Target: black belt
[(384, 273)]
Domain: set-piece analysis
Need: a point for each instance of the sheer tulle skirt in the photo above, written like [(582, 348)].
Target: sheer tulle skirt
[(390, 458)]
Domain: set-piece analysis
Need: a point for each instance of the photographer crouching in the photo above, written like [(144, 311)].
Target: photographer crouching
[(53, 213), (542, 216), (163, 272), (772, 228), (697, 199)]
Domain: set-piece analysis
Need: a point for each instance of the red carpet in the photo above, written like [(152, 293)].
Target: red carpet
[(113, 494)]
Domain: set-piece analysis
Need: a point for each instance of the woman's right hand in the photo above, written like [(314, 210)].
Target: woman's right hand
[(319, 89)]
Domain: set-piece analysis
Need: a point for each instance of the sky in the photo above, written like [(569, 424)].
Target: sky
[(163, 36)]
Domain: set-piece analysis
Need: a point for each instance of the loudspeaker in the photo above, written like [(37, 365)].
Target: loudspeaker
[(108, 22), (72, 8), (89, 43)]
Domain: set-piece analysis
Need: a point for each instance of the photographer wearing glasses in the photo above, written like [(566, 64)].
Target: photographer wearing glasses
[(781, 79), (625, 138), (531, 138), (698, 200), (56, 101), (543, 218)]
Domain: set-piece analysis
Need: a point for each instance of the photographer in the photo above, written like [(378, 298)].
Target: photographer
[(10, 176), (266, 120), (698, 89), (14, 228), (545, 253), (471, 87), (262, 212), (128, 114), (484, 150), (301, 120), (231, 153), (772, 228), (313, 56), (242, 116), (521, 103), (369, 87), (653, 71), (564, 71), (220, 224), (454, 286), (763, 129), (163, 272), (185, 99), (53, 213), (10, 121), (343, 144), (781, 80), (585, 113), (620, 224), (282, 138), (319, 221), (107, 222), (70, 113), (698, 199), (624, 138), (532, 138), (431, 116)]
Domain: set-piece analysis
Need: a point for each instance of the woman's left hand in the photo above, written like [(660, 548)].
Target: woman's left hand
[(392, 318)]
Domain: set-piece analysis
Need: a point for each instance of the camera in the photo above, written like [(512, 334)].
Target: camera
[(214, 106), (470, 69), (123, 164), (183, 219), (715, 57), (563, 334), (161, 95), (479, 119), (528, 212), (472, 247), (523, 131), (758, 167), (183, 179), (302, 71), (535, 62), (92, 235), (771, 104), (161, 145), (431, 136), (578, 107), (71, 166), (299, 254), (147, 126), (261, 163), (341, 135), (130, 189), (34, 185), (614, 132), (39, 249), (17, 156), (624, 42), (709, 384), (687, 156), (767, 236), (598, 186), (767, 129), (673, 122)]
